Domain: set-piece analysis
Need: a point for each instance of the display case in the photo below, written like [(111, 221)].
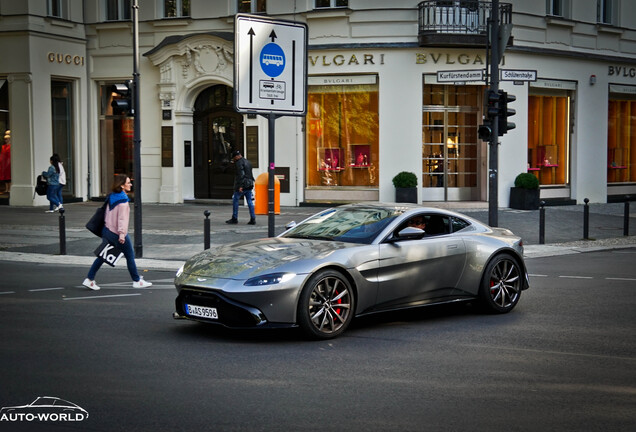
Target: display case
[(330, 159), (359, 155)]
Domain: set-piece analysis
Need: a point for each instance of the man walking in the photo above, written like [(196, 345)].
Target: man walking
[(243, 186)]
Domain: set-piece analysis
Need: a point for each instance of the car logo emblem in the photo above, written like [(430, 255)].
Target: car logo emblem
[(201, 279)]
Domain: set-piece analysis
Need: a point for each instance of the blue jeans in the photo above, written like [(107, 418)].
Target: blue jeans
[(54, 195), (250, 203), (126, 248)]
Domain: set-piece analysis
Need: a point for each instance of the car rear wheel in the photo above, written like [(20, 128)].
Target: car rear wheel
[(501, 284), (326, 305)]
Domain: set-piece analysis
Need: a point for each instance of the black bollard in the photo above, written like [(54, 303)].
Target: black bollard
[(626, 217), (542, 223), (586, 219), (206, 230), (62, 233)]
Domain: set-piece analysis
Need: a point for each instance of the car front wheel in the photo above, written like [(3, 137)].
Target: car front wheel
[(326, 305), (501, 284)]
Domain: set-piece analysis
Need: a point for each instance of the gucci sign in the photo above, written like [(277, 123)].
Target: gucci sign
[(66, 59)]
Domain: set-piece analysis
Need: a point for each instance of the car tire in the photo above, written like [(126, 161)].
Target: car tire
[(501, 284), (326, 305)]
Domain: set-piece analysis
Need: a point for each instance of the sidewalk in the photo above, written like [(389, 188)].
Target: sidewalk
[(171, 233)]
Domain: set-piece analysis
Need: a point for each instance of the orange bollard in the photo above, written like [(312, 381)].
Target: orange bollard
[(261, 202)]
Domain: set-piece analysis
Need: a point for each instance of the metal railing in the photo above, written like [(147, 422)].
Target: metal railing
[(459, 17)]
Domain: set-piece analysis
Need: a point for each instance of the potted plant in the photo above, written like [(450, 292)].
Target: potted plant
[(525, 194), (405, 187)]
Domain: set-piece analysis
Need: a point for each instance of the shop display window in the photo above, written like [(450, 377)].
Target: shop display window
[(548, 138), (342, 135), (621, 141)]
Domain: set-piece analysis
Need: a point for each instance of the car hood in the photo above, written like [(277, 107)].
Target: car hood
[(251, 258)]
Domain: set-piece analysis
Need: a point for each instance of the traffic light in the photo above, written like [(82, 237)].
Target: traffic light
[(492, 104), (505, 112), (484, 132), (123, 99)]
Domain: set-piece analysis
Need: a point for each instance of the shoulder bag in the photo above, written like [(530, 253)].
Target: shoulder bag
[(96, 222)]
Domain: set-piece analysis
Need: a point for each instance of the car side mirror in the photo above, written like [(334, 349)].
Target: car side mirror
[(408, 233), (290, 225)]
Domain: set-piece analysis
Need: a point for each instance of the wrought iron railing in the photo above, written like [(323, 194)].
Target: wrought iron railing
[(459, 17)]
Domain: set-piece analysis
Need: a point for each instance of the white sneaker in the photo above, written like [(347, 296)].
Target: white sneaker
[(141, 283), (90, 284), (60, 207), (49, 211)]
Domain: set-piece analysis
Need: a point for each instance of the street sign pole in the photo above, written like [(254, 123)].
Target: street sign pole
[(270, 78), (493, 192), (139, 251)]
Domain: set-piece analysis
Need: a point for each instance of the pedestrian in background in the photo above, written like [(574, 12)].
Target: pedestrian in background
[(243, 186), (116, 232), (54, 190)]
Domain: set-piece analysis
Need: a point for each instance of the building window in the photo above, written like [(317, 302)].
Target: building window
[(549, 138), (621, 139), (558, 8), (606, 11), (342, 133), (324, 4), (58, 9), (62, 127), (117, 10), (252, 6), (176, 8)]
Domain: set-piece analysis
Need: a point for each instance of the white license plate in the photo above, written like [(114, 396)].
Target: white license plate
[(201, 311)]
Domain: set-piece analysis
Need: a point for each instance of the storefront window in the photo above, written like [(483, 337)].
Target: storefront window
[(5, 135), (62, 127), (621, 140), (342, 133), (116, 141), (548, 138)]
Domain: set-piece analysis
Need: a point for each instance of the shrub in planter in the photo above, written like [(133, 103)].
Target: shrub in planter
[(525, 194), (405, 187)]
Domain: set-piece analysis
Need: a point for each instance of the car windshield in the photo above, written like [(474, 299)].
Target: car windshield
[(347, 224)]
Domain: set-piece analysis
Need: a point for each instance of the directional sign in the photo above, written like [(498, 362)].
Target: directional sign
[(460, 75), (517, 75), (270, 66)]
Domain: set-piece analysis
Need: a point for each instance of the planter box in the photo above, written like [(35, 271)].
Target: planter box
[(407, 195), (524, 199)]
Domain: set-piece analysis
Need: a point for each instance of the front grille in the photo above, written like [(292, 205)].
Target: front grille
[(231, 313)]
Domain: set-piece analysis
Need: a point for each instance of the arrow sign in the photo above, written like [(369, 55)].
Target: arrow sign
[(270, 62)]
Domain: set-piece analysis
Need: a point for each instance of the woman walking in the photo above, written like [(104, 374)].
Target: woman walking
[(116, 231), (54, 191)]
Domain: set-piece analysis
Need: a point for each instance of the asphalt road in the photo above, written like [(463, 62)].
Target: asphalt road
[(564, 359)]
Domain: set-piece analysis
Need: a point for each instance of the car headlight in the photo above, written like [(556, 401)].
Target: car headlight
[(269, 279), (180, 271)]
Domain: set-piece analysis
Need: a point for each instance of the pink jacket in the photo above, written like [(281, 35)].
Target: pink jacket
[(116, 220)]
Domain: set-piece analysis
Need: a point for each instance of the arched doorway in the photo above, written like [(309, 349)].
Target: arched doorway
[(218, 130)]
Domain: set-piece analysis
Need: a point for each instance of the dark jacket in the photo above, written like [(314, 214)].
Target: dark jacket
[(244, 178)]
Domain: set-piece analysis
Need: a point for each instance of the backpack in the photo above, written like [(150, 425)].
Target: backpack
[(41, 185)]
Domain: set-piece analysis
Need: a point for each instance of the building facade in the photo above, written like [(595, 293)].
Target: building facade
[(376, 103)]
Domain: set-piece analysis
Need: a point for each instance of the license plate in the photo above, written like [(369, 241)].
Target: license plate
[(201, 311)]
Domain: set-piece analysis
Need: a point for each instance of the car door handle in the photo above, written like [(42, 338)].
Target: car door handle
[(452, 246)]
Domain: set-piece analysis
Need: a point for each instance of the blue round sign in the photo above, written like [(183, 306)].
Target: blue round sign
[(272, 60)]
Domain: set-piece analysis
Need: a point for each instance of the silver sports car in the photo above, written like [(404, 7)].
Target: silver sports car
[(350, 261)]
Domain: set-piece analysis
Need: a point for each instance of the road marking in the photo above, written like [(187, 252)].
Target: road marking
[(7, 292), (46, 289), (577, 277), (101, 297), (620, 279), (537, 275)]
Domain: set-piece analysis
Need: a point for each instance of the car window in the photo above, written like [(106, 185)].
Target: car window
[(432, 224), (347, 224), (459, 224)]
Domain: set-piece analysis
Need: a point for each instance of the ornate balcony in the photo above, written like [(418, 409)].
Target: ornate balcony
[(458, 23)]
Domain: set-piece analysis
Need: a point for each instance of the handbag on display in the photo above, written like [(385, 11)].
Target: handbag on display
[(96, 222)]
